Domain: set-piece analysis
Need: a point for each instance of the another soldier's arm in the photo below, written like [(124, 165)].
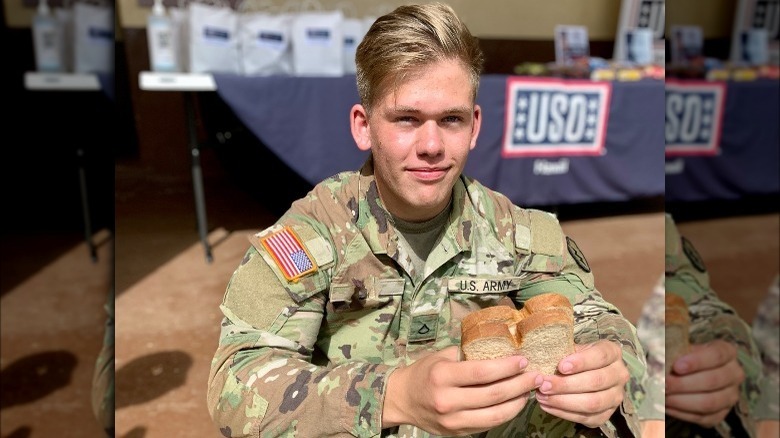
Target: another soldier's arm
[(262, 381), (766, 331), (609, 351), (650, 331)]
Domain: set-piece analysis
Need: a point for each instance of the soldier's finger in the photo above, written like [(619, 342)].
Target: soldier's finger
[(729, 375), (706, 421), (614, 375), (590, 357), (480, 372), (705, 403), (705, 356), (479, 396), (587, 403), (478, 420), (589, 420)]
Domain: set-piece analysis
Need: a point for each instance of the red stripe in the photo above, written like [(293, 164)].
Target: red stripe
[(281, 255), (291, 245)]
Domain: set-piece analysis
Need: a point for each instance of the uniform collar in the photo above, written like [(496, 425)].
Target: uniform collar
[(376, 225)]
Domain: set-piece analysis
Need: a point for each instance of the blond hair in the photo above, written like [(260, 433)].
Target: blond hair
[(411, 37)]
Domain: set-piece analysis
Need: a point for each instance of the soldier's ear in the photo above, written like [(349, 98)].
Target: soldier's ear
[(361, 132)]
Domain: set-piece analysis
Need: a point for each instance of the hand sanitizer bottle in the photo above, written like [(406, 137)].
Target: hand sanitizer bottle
[(47, 40), (162, 40)]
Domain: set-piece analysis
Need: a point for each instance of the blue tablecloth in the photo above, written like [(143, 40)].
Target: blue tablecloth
[(305, 121), (748, 161)]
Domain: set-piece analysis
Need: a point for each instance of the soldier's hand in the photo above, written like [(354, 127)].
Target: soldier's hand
[(704, 384), (443, 396), (591, 386)]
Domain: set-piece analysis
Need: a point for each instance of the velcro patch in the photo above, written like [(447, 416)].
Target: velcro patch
[(289, 254)]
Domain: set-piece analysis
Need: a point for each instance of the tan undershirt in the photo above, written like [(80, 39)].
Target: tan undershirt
[(419, 237)]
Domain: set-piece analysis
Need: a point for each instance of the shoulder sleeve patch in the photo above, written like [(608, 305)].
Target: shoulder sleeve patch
[(254, 295), (288, 253), (318, 246), (576, 254), (693, 255), (287, 257)]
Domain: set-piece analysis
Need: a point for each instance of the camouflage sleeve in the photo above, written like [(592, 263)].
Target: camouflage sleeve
[(766, 332), (651, 332), (712, 319), (264, 380), (594, 317), (103, 375)]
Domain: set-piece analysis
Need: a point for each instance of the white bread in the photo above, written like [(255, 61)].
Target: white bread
[(677, 324), (542, 332)]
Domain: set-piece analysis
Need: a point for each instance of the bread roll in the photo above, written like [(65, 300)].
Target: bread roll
[(542, 332), (677, 324)]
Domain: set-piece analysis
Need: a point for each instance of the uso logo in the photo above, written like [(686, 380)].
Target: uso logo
[(553, 118), (694, 115)]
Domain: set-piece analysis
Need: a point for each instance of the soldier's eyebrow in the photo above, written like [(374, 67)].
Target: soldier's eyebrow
[(412, 110)]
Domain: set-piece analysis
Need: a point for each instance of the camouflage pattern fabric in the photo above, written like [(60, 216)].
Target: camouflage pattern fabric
[(712, 319), (103, 375), (311, 357), (650, 330), (766, 332)]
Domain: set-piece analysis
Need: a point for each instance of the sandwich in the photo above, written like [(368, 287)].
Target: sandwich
[(542, 331), (677, 324)]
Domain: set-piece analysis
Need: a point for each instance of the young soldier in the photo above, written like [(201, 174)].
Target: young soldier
[(343, 319)]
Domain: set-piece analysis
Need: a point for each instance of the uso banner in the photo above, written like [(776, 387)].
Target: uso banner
[(694, 117), (746, 159), (547, 117)]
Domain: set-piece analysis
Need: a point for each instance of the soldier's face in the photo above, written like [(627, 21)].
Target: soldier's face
[(420, 135)]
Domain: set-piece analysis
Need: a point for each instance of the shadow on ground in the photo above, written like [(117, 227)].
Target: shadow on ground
[(34, 377), (149, 377)]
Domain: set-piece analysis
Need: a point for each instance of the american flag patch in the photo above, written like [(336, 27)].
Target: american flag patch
[(290, 255)]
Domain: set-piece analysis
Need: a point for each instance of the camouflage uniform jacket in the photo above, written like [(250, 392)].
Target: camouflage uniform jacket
[(766, 333), (311, 357), (650, 330), (711, 319)]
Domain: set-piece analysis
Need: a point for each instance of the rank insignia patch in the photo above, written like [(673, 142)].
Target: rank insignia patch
[(290, 255)]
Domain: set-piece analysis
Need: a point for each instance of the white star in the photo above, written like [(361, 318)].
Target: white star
[(519, 134), (706, 120), (593, 104), (520, 118), (591, 119), (705, 134), (708, 104), (589, 134), (522, 103)]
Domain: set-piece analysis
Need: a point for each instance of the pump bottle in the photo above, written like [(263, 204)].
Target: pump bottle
[(47, 40), (162, 40)]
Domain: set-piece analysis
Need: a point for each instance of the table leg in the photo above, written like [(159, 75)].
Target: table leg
[(85, 206), (197, 176)]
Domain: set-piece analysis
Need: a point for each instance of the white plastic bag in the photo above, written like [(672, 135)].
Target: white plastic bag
[(65, 17), (318, 43), (93, 34), (266, 46), (180, 17), (213, 39), (353, 31)]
